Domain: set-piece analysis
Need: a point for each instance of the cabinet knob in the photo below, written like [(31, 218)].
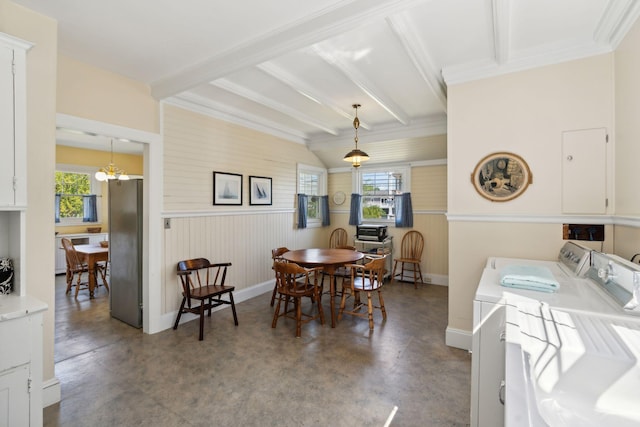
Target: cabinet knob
[(501, 392), (569, 157)]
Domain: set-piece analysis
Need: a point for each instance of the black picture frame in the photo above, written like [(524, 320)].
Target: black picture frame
[(260, 191), (227, 188)]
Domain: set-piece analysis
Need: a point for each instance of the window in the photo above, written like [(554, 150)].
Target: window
[(312, 181), (379, 188), (72, 185)]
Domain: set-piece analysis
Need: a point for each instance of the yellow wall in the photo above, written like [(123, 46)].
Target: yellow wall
[(92, 93), (130, 163), (524, 113), (41, 94)]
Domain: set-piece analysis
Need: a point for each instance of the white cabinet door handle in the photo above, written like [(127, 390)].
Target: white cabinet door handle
[(501, 392)]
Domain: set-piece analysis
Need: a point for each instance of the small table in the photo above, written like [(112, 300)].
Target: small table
[(329, 259), (92, 254)]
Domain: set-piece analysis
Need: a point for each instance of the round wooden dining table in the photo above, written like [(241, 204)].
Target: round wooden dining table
[(329, 259)]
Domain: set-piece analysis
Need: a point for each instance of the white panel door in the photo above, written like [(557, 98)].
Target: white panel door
[(7, 195), (584, 171)]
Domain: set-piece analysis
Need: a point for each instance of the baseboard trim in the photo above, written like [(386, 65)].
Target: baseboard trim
[(458, 338), (167, 320), (51, 392)]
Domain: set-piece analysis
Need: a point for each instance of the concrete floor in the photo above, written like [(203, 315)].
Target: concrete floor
[(252, 375)]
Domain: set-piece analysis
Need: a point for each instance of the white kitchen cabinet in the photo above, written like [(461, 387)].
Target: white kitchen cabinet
[(488, 364), (13, 161), (21, 361)]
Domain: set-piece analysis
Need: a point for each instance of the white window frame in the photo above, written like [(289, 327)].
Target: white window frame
[(96, 188), (322, 188), (356, 183)]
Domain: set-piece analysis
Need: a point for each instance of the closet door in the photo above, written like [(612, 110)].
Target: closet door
[(584, 171)]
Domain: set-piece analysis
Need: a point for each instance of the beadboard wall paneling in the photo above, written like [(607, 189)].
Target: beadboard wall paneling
[(429, 188), (196, 145), (244, 240)]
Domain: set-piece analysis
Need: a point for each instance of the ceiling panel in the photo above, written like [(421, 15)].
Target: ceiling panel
[(293, 69)]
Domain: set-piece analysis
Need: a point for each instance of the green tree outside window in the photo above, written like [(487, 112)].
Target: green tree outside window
[(71, 187)]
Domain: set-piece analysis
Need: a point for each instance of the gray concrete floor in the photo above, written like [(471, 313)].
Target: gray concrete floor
[(252, 375)]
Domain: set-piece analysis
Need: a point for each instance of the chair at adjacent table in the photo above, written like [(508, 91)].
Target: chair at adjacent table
[(410, 255), (367, 278), (338, 238), (276, 256), (291, 287), (203, 282), (75, 266)]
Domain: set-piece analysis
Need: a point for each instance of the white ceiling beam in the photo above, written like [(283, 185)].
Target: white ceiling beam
[(304, 33), (306, 90), (616, 21), (434, 125), (208, 107), (258, 98), (326, 52), (501, 30), (408, 37)]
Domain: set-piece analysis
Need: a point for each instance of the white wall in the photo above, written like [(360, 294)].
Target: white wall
[(524, 113)]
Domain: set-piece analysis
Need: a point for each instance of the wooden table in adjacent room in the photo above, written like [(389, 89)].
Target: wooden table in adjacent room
[(91, 254), (329, 259)]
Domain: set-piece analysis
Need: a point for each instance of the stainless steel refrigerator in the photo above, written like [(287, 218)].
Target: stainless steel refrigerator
[(125, 250)]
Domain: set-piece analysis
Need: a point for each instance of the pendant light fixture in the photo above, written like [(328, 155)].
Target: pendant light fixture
[(111, 171), (356, 156)]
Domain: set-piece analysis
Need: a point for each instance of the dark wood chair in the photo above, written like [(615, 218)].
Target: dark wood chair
[(410, 256), (367, 278), (293, 283), (203, 282), (276, 256), (76, 267)]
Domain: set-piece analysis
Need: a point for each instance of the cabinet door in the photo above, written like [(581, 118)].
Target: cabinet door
[(584, 171), (487, 364), (7, 149), (14, 397)]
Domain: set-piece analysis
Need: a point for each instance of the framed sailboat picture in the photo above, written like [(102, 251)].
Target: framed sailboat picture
[(227, 188), (259, 190)]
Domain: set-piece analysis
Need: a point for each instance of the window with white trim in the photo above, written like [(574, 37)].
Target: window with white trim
[(378, 187), (312, 181), (72, 183)]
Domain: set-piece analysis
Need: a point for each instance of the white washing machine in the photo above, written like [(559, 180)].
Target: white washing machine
[(576, 291)]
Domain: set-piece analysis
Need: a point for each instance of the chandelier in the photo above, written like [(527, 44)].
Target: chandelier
[(356, 156), (112, 171)]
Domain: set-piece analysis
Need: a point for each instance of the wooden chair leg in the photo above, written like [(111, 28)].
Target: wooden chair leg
[(393, 274), (320, 310), (78, 284), (276, 313), (273, 295), (233, 309), (370, 310), (175, 325), (384, 311), (201, 321), (298, 303)]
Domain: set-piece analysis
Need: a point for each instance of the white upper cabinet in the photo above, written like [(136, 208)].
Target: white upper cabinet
[(13, 151)]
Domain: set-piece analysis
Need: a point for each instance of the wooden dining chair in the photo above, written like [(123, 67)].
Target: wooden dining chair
[(292, 288), (338, 238), (204, 282), (410, 256), (276, 256), (367, 278), (76, 267)]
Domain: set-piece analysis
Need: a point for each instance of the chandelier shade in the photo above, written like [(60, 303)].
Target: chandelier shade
[(111, 171), (356, 156)]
